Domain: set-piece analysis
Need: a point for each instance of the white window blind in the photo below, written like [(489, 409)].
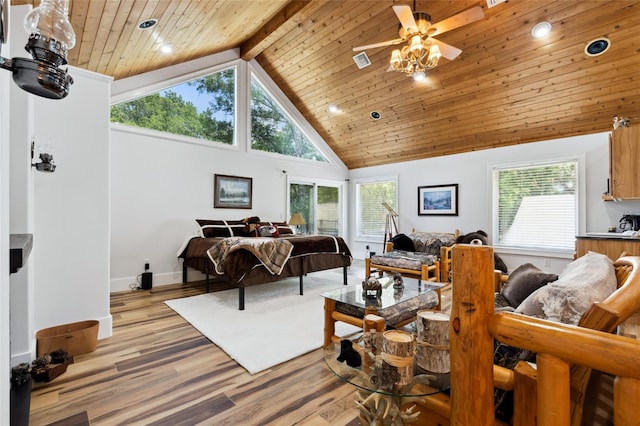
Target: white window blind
[(371, 214), (536, 206)]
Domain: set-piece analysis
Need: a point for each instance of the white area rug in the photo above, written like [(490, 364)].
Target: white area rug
[(277, 324)]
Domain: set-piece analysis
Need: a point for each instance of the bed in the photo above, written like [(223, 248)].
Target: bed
[(242, 268)]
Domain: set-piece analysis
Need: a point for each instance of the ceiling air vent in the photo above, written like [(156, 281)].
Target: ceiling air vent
[(362, 60)]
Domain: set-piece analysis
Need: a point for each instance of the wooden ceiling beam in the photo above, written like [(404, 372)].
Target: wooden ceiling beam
[(282, 23)]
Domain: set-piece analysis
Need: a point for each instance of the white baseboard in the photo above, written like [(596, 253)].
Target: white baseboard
[(105, 328), (124, 284)]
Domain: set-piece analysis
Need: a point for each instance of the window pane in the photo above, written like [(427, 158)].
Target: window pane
[(203, 108), (328, 210), (537, 206), (301, 200), (273, 131), (372, 215)]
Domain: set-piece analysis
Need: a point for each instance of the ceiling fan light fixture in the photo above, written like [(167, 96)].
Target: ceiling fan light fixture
[(396, 58), (434, 56), (416, 44), (419, 75), (541, 29)]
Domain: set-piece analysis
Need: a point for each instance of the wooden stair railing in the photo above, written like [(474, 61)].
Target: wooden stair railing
[(558, 347)]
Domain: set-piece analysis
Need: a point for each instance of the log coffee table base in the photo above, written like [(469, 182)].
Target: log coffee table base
[(398, 308)]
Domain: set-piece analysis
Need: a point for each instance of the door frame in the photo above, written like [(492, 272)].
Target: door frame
[(315, 182)]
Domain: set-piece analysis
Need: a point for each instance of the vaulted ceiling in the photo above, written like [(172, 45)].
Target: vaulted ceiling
[(505, 87)]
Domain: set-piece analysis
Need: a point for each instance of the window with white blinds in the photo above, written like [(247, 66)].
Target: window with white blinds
[(536, 206), (371, 217)]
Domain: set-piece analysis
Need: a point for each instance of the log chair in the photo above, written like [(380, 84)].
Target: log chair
[(553, 392)]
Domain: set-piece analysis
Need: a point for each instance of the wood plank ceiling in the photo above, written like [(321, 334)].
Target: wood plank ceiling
[(505, 88)]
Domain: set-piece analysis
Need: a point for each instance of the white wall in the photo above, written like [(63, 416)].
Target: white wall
[(161, 183), (5, 349), (159, 187), (21, 202), (471, 172), (71, 231)]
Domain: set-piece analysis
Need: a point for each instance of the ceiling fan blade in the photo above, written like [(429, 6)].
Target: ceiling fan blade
[(381, 44), (405, 16), (446, 50), (462, 18)]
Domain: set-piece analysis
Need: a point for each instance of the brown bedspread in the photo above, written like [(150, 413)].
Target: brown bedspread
[(272, 253), (309, 254)]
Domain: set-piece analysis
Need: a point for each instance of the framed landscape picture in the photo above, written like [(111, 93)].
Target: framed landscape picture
[(438, 200), (232, 192)]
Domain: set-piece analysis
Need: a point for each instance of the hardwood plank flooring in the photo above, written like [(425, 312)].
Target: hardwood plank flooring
[(157, 369)]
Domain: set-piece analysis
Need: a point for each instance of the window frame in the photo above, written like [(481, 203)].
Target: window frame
[(150, 89), (580, 205), (288, 113), (373, 238), (136, 87)]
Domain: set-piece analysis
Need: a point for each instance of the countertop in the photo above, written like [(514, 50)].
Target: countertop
[(608, 236)]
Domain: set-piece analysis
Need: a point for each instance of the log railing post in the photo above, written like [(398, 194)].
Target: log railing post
[(553, 391), (626, 400), (471, 343)]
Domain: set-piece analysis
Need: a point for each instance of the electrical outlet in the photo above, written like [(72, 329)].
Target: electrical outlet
[(146, 264), (547, 262), (366, 247)]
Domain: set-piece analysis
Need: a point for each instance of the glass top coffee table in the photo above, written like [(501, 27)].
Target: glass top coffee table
[(379, 400), (398, 307)]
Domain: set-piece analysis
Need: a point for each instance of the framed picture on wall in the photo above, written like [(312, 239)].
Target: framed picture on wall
[(232, 192), (438, 200)]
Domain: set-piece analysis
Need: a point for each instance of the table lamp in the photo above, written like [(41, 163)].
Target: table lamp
[(297, 219)]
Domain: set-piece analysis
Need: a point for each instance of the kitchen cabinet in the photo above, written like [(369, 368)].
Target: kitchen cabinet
[(624, 158), (612, 247)]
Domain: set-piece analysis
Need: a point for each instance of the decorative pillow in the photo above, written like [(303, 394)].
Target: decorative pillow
[(523, 281), (283, 227), (402, 242), (268, 231), (588, 279), (430, 242), (221, 228)]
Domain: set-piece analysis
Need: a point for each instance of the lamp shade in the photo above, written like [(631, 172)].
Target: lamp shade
[(297, 219)]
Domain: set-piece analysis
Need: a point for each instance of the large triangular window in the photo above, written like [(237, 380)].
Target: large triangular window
[(272, 130), (203, 108)]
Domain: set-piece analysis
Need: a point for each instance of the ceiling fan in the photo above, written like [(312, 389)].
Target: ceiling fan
[(422, 51)]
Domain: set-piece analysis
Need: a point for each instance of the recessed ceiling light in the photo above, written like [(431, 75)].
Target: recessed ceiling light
[(166, 48), (147, 23), (375, 115), (597, 47), (333, 108), (541, 29)]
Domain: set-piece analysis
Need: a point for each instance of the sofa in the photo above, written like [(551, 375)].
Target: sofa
[(425, 256)]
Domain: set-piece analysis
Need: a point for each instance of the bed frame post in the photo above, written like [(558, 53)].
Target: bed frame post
[(184, 272), (301, 287), (344, 275), (207, 280)]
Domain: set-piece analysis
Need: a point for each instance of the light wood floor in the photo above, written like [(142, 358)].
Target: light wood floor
[(157, 369)]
